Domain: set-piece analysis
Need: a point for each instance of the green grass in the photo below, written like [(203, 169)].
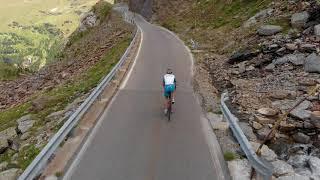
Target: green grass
[(26, 156), (32, 32), (60, 96), (216, 13), (229, 156)]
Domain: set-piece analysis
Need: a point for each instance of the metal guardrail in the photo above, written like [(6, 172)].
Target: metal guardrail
[(261, 166), (34, 169)]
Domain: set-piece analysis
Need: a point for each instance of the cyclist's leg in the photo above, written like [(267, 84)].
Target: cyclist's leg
[(166, 97)]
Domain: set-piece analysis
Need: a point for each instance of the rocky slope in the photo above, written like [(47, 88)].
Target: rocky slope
[(34, 107), (266, 54)]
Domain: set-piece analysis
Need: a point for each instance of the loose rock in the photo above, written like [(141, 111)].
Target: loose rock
[(9, 133), (3, 166), (312, 63), (11, 174), (314, 164), (266, 152), (3, 144), (268, 30), (25, 123), (298, 161), (315, 119), (267, 111), (300, 111), (299, 20), (282, 168), (301, 138), (294, 177), (296, 59), (256, 125), (239, 169), (264, 120)]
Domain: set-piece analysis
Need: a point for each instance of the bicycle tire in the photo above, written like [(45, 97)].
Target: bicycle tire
[(169, 112)]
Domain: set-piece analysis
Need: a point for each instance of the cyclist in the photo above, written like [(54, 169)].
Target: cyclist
[(169, 87)]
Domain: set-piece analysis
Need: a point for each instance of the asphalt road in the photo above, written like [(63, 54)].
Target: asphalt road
[(133, 140)]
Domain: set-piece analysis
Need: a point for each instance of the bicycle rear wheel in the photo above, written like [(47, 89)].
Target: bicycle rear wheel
[(169, 108)]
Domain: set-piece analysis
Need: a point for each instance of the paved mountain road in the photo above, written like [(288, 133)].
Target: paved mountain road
[(133, 140)]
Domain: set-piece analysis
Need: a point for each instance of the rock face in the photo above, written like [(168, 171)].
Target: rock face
[(268, 30), (312, 63), (282, 168), (299, 20), (301, 138), (317, 30), (25, 123), (240, 169), (10, 174)]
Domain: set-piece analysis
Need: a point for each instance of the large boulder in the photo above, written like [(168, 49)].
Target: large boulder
[(11, 174), (268, 30), (281, 168), (240, 169), (299, 20), (312, 63), (25, 123)]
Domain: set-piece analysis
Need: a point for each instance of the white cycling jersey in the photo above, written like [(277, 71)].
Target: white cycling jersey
[(169, 79)]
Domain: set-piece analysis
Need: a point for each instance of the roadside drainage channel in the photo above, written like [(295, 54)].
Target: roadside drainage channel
[(263, 168), (48, 153)]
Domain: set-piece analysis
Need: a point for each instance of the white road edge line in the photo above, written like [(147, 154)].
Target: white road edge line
[(96, 127), (124, 83)]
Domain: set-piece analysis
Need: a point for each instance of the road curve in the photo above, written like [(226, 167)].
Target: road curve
[(133, 140)]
